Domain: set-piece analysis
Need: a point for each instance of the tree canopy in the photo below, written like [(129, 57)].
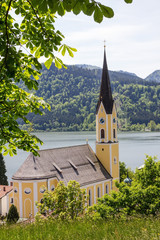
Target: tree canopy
[(73, 94), (140, 197), (65, 202), (3, 177), (22, 43)]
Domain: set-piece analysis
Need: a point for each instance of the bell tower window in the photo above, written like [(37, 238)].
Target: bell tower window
[(102, 133)]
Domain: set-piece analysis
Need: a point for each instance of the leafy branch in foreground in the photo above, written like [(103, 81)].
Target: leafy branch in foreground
[(22, 43)]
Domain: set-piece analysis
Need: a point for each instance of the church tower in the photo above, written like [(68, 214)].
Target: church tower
[(107, 146)]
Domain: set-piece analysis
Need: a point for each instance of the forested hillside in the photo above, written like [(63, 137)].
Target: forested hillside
[(73, 95), (155, 76)]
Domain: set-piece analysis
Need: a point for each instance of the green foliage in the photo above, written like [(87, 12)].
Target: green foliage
[(13, 215), (152, 126), (89, 8), (3, 177), (65, 202), (150, 174), (125, 172), (35, 32), (73, 94), (115, 229), (141, 197)]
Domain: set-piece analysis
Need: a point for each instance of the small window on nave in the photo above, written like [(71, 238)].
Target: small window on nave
[(107, 188), (90, 197), (98, 192)]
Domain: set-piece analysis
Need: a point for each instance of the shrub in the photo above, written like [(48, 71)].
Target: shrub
[(13, 215), (65, 202)]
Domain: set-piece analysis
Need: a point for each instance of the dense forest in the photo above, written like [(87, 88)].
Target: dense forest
[(73, 95)]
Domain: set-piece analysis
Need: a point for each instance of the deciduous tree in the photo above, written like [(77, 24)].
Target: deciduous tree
[(35, 31), (65, 201)]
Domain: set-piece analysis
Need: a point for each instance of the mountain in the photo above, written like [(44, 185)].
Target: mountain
[(87, 66), (155, 76), (121, 71), (73, 94)]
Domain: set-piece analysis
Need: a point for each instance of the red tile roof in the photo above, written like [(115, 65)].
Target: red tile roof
[(7, 190)]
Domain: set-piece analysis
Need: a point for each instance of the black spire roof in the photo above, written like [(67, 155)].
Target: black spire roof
[(105, 92)]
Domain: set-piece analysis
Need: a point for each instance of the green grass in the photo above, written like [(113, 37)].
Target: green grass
[(139, 229)]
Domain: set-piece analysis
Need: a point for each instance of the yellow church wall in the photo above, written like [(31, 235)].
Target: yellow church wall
[(109, 127), (40, 186), (53, 182), (101, 114), (108, 185), (92, 194), (115, 156), (94, 190), (114, 124), (101, 192), (27, 199), (97, 130), (103, 154)]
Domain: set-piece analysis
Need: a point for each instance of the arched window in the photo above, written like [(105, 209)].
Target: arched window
[(90, 197), (106, 188), (98, 192), (114, 133), (102, 133)]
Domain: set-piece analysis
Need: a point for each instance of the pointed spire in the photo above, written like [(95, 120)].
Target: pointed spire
[(105, 91)]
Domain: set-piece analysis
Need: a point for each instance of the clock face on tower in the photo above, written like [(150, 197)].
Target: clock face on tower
[(101, 120)]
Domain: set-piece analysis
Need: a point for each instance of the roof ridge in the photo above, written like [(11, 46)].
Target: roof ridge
[(63, 147)]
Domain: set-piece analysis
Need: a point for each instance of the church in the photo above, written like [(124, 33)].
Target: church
[(95, 171)]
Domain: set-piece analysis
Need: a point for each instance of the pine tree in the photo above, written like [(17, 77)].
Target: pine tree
[(13, 215), (3, 177)]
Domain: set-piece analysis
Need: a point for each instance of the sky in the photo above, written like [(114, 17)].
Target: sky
[(132, 37)]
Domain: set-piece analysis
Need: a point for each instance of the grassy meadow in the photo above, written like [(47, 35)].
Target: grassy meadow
[(135, 228)]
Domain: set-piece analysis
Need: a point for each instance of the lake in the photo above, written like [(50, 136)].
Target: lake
[(132, 146)]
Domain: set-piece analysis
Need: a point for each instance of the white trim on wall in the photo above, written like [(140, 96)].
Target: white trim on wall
[(110, 148), (89, 185), (107, 127), (7, 204), (103, 188), (94, 193), (35, 197), (97, 132), (111, 127), (115, 179)]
